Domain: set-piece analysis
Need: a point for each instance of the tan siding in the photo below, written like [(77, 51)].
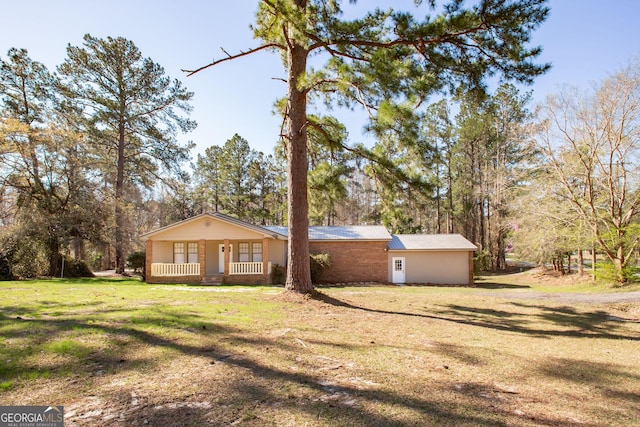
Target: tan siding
[(435, 267), (162, 252), (216, 230), (212, 257), (277, 250), (357, 261)]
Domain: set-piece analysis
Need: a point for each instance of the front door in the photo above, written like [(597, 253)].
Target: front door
[(397, 275), (221, 257)]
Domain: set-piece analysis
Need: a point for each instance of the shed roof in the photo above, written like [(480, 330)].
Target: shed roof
[(346, 232), (430, 242)]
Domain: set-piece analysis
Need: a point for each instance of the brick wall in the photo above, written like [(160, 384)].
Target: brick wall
[(247, 279), (188, 280), (361, 261)]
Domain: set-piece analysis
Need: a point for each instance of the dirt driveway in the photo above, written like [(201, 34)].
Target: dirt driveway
[(571, 298)]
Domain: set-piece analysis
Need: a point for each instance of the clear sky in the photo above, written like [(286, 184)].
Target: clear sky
[(585, 40)]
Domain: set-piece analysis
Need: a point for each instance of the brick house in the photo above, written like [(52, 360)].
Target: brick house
[(215, 248)]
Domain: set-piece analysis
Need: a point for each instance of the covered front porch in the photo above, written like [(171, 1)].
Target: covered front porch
[(209, 261), (213, 248)]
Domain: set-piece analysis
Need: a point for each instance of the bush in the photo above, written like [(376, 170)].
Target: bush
[(482, 261), (28, 261), (76, 268), (278, 274), (138, 261), (319, 263), (5, 268), (606, 271)]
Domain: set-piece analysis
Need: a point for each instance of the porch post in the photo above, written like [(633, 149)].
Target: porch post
[(226, 257), (202, 256), (148, 259), (265, 261)]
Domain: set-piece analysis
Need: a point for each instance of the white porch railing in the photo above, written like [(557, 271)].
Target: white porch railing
[(247, 268), (165, 269)]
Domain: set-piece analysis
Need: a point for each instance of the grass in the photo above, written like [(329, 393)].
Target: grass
[(510, 351)]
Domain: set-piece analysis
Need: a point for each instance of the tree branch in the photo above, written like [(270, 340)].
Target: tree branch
[(236, 56)]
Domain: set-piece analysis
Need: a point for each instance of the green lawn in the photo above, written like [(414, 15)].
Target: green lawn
[(507, 352)]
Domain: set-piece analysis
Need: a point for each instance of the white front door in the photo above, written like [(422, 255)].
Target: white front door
[(221, 257), (397, 265)]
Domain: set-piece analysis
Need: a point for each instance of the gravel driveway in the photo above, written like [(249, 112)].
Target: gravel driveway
[(582, 298)]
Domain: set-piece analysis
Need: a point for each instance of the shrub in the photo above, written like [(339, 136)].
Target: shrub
[(319, 264), (76, 268), (482, 261), (606, 271), (137, 261), (28, 261), (5, 268), (278, 274)]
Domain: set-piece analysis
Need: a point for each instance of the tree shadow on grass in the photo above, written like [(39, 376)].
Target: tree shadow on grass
[(496, 285), (612, 381), (561, 321), (259, 385), (65, 336), (255, 396)]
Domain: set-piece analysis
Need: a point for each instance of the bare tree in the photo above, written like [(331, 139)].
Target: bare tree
[(591, 143)]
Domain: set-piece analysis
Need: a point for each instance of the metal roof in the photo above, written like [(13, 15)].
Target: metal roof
[(346, 232), (430, 242)]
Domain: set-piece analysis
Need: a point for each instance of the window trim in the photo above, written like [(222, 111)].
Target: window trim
[(178, 249), (243, 252), (255, 245)]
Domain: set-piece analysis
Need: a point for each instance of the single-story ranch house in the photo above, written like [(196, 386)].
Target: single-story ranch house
[(215, 248)]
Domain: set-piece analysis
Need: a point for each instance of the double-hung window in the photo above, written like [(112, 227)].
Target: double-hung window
[(256, 252), (178, 253), (192, 249), (180, 256), (243, 252)]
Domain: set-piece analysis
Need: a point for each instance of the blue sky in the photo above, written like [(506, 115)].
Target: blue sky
[(585, 40)]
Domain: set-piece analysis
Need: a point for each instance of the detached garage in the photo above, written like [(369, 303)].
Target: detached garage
[(440, 259)]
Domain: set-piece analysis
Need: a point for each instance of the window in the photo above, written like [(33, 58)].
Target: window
[(178, 253), (243, 252), (256, 252), (398, 265), (192, 249)]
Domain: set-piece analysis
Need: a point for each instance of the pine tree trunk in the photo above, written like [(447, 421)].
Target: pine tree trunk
[(119, 211), (449, 197), (298, 269), (502, 251)]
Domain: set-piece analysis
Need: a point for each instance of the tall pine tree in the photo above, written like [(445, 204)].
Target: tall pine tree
[(381, 58)]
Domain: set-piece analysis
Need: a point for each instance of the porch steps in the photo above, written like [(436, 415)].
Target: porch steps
[(212, 280)]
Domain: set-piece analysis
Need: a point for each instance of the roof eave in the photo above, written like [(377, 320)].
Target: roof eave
[(221, 217)]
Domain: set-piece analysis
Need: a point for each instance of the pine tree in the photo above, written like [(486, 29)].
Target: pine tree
[(379, 59), (132, 110)]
